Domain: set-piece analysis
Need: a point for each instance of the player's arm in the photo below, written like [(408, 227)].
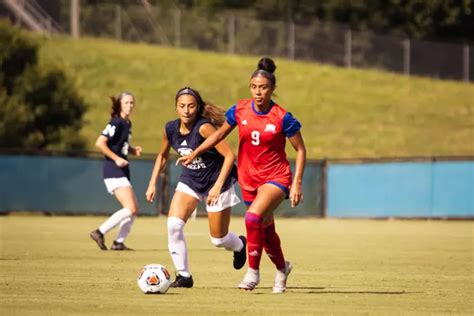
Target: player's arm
[(160, 163), (296, 194), (101, 143), (210, 142), (206, 130)]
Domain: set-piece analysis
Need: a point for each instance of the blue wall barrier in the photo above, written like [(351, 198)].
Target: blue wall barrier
[(405, 189), (64, 185), (72, 185), (312, 192)]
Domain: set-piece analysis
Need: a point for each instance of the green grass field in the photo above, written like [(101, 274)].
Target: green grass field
[(49, 266), (345, 112)]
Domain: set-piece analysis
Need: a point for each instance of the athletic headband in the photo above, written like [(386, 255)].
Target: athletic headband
[(188, 90), (270, 76)]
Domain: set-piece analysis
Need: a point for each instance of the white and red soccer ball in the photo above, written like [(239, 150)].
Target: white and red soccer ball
[(154, 279)]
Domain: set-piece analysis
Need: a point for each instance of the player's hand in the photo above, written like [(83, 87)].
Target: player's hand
[(138, 150), (296, 196), (213, 195), (150, 193), (185, 160), (120, 162)]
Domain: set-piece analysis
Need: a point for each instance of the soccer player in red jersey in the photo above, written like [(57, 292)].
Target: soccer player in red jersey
[(264, 172)]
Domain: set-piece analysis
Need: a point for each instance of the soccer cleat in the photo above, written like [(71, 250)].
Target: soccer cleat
[(182, 281), (281, 277), (119, 246), (240, 257), (98, 237), (250, 281)]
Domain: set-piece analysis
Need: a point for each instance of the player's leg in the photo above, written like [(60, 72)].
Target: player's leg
[(114, 186), (267, 198), (126, 196), (219, 214), (272, 246), (182, 206), (221, 237)]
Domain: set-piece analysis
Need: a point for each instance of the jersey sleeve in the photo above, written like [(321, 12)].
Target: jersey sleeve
[(290, 125), (111, 129), (230, 116)]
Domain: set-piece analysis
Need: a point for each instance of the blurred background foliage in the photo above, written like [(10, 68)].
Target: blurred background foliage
[(41, 108)]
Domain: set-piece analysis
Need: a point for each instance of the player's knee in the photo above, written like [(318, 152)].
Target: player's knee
[(253, 220), (132, 207), (175, 226), (219, 242)]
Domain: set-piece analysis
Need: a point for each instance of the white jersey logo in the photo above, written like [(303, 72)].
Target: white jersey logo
[(270, 128), (244, 122), (184, 143), (109, 130), (197, 162)]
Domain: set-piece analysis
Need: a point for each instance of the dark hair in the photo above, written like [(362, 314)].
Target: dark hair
[(266, 67), (116, 103), (205, 109)]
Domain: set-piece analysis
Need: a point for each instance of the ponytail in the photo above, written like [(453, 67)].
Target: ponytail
[(214, 114), (205, 109), (266, 68)]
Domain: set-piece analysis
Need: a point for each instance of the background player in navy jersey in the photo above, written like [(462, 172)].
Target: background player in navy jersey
[(115, 145), (208, 178), (264, 171)]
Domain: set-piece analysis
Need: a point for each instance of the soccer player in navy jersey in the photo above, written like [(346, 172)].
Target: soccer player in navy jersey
[(114, 143), (210, 178), (263, 169)]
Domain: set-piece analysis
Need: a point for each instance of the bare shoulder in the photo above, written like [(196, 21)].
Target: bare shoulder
[(206, 130)]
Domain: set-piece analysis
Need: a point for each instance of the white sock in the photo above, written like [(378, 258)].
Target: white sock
[(230, 242), (177, 245), (125, 227), (114, 220)]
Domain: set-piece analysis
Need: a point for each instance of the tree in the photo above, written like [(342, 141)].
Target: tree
[(40, 106)]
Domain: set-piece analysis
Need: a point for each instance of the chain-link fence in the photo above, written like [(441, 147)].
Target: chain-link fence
[(226, 32)]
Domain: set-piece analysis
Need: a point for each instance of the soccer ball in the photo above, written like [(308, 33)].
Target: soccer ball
[(154, 279)]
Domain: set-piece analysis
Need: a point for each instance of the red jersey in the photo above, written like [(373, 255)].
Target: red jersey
[(262, 138)]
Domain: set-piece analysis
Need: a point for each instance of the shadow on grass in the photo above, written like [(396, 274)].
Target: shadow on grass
[(323, 290), (166, 249), (315, 290), (149, 250)]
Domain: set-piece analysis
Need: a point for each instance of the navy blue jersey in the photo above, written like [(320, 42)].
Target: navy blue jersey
[(201, 174), (118, 132)]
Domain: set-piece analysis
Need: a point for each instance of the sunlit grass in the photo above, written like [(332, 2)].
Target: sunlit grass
[(50, 266)]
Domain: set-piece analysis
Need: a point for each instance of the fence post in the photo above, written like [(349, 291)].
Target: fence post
[(466, 63), (348, 49), (75, 8), (231, 34), (177, 28), (291, 40), (406, 56), (118, 22)]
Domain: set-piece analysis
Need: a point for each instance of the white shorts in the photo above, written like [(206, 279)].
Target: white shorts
[(226, 199), (114, 183)]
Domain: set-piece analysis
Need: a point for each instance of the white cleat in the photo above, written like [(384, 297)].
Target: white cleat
[(250, 281), (281, 277)]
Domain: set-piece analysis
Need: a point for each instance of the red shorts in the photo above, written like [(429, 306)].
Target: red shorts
[(249, 196)]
